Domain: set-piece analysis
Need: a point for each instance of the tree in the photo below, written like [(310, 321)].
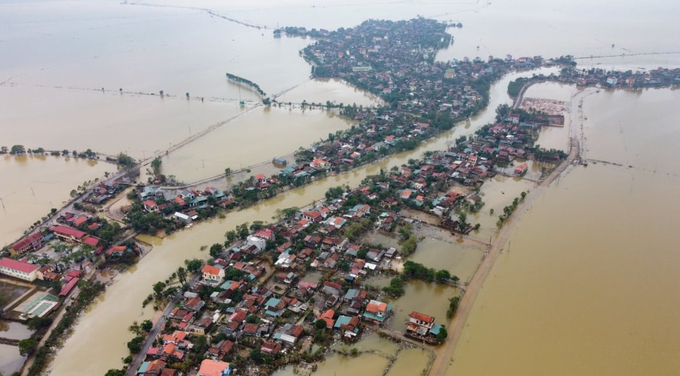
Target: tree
[(193, 265), (442, 275), (227, 171), (453, 306), (37, 323), (441, 336), (17, 150), (156, 165), (115, 372), (135, 344), (181, 275), (231, 236), (216, 249), (320, 324), (158, 288), (146, 325), (27, 346), (243, 230)]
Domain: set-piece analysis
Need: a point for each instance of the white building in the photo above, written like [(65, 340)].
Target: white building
[(19, 269)]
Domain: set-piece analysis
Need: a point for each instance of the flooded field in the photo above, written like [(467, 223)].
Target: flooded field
[(32, 185), (336, 91), (256, 137), (10, 359), (569, 290), (429, 298), (170, 253), (187, 50), (459, 259), (496, 193)]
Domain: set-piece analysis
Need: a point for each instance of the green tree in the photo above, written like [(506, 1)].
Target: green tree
[(27, 346), (441, 336), (115, 372), (156, 165), (320, 324), (194, 265), (146, 325), (216, 250), (158, 288), (442, 275), (135, 345), (17, 150), (182, 275), (231, 236)]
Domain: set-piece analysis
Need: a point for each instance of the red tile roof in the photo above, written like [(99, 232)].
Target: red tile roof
[(18, 265), (422, 317), (68, 231)]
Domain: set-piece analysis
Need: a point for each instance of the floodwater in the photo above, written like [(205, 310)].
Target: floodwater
[(410, 362), (10, 359), (32, 185), (425, 297), (460, 260), (590, 286), (146, 49), (322, 90), (121, 304), (14, 330), (256, 137), (496, 193)]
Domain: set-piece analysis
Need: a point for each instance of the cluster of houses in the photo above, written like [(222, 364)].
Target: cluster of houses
[(185, 205), (660, 77), (258, 295)]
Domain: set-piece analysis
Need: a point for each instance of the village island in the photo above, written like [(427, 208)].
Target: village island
[(249, 307)]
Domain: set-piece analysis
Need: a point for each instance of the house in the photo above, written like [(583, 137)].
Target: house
[(348, 325), (271, 347), (19, 269), (212, 274), (194, 304), (29, 243), (332, 288), (68, 234), (513, 118), (211, 367), (312, 216), (154, 367), (521, 169), (151, 206), (420, 323), (328, 318), (377, 312), (116, 251)]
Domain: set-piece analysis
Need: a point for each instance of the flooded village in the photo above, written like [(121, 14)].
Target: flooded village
[(310, 286)]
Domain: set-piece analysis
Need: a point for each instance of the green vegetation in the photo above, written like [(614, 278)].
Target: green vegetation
[(125, 160), (156, 166), (250, 84), (395, 289), (514, 87), (453, 306)]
